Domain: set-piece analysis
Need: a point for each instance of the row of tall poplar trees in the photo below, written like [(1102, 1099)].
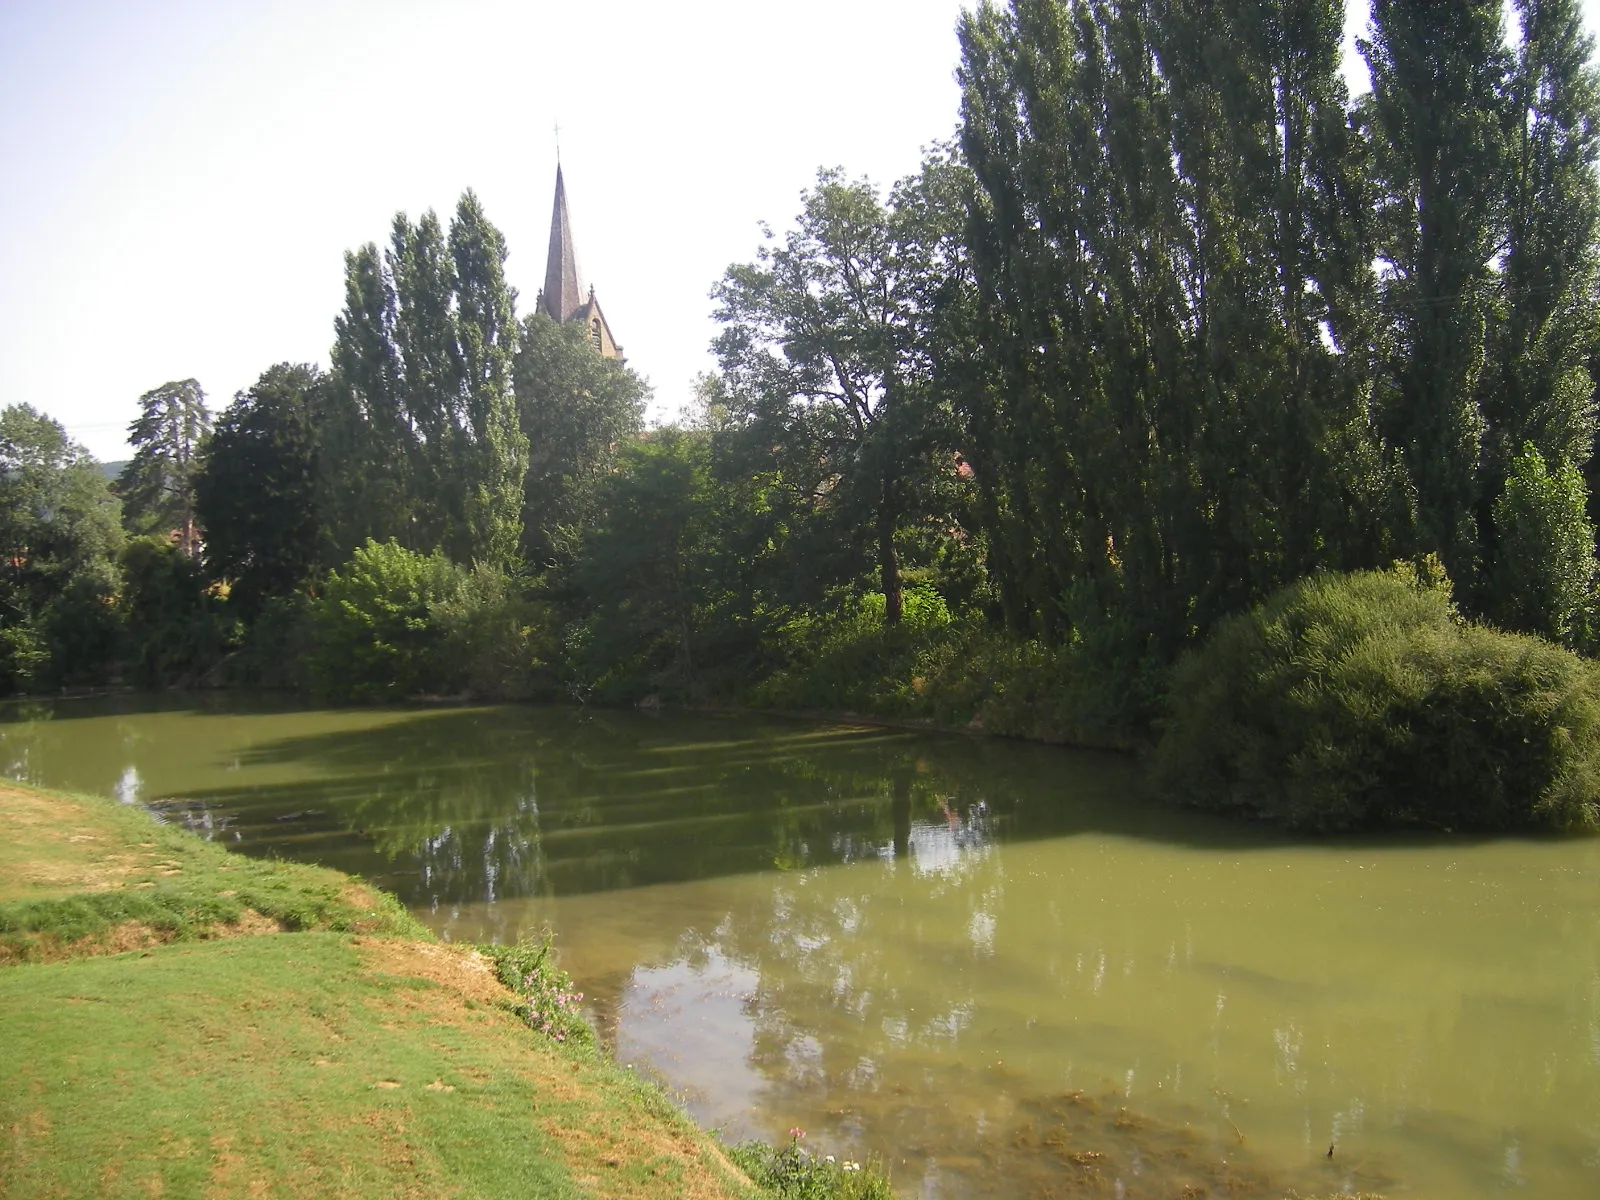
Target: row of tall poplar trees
[(1232, 326), (429, 447)]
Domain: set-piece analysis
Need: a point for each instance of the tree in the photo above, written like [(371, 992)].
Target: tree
[(258, 491), (1438, 126), (577, 410), (1540, 387), (176, 627), (822, 361), (60, 533), (1545, 542), (494, 449), (645, 567), (157, 485), (364, 433), (376, 638), (1165, 397), (423, 420)]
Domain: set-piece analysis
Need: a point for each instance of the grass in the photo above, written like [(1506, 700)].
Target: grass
[(315, 1065), (80, 874), (353, 1058)]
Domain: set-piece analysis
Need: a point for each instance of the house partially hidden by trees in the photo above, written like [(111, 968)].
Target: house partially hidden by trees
[(563, 297)]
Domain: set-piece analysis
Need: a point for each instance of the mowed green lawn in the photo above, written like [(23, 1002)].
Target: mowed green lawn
[(316, 1063)]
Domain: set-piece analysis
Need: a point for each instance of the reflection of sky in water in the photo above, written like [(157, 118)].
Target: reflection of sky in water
[(129, 786), (691, 1023), (942, 848)]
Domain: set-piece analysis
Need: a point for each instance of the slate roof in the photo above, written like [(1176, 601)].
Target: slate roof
[(563, 295)]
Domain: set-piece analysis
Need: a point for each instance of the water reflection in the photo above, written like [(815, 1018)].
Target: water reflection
[(475, 805), (984, 962), (1072, 1016)]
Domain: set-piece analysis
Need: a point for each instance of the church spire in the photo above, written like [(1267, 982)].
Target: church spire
[(563, 299), (563, 294)]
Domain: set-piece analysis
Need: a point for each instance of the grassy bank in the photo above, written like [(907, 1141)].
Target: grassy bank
[(177, 1020)]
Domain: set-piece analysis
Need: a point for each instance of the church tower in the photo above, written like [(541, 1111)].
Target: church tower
[(562, 298)]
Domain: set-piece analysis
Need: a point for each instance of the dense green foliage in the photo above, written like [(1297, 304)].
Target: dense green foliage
[(257, 490), (176, 629), (60, 534), (578, 410), (393, 623), (1344, 702), (425, 441)]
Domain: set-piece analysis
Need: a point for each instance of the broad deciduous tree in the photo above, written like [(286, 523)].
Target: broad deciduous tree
[(577, 410), (60, 533), (258, 491), (824, 359)]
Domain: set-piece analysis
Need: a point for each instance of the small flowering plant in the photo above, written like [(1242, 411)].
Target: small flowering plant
[(792, 1172), (545, 996)]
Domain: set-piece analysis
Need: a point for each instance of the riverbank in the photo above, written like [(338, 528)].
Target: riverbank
[(197, 1022)]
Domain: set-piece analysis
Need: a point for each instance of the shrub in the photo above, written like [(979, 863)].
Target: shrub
[(277, 649), (393, 623), (1351, 701), (1545, 549), (375, 640), (24, 655), (501, 641), (1100, 690), (851, 661)]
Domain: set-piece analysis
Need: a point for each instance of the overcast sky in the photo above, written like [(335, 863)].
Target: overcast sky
[(181, 179)]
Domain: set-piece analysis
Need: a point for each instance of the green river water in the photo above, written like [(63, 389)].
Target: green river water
[(990, 965)]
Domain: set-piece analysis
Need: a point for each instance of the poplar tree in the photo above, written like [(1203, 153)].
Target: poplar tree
[(493, 446), (1541, 389), (427, 349), (423, 411), (1170, 276), (366, 439), (1439, 126)]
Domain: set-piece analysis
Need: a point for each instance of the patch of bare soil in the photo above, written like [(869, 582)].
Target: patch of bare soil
[(129, 935), (455, 968)]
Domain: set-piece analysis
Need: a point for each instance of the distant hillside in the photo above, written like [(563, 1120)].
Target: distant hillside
[(112, 469)]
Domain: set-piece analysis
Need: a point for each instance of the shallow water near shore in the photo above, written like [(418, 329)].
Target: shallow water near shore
[(987, 964)]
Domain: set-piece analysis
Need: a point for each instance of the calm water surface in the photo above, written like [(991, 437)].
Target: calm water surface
[(987, 964)]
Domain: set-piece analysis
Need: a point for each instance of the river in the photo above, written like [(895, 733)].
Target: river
[(990, 966)]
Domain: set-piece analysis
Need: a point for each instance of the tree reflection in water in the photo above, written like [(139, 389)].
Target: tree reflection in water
[(797, 922)]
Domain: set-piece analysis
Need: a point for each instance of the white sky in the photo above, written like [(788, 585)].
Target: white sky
[(181, 177)]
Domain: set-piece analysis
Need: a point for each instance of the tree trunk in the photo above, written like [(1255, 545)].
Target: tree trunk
[(888, 558)]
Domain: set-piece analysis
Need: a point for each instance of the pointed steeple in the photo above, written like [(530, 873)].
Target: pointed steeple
[(563, 294)]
